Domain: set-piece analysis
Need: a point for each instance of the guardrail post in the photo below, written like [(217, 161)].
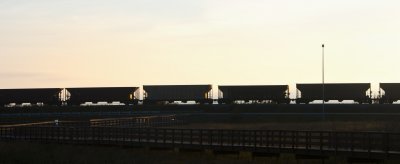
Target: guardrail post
[(17, 131), (134, 135), (147, 135), (307, 140), (293, 139), (127, 135), (62, 134), (70, 134), (11, 133), (297, 139), (321, 142), (191, 136), (35, 137), (35, 133), (387, 144), (182, 136), (280, 140), (106, 134), (138, 133), (21, 133), (255, 140), (335, 143), (14, 133), (329, 143), (173, 136), (369, 144), (89, 135), (155, 133), (58, 134), (40, 133), (164, 135), (6, 133), (47, 134), (201, 137), (232, 139), (52, 133), (261, 137), (243, 139), (220, 138), (99, 135), (352, 142), (117, 135), (85, 135), (210, 137)]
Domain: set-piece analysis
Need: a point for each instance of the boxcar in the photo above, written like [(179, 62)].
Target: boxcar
[(357, 92), (389, 92), (154, 94), (47, 96), (126, 95), (254, 93)]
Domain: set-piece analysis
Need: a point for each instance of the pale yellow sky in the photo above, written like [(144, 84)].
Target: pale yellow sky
[(78, 43)]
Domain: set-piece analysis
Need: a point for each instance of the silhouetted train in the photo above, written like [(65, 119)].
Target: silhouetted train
[(360, 93)]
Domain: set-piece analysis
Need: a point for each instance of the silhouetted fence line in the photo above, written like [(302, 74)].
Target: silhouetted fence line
[(355, 144), (127, 122)]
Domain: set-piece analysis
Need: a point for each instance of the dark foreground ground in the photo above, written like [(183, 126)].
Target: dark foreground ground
[(32, 153), (23, 152)]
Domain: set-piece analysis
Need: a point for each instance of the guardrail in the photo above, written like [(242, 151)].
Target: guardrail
[(355, 144), (126, 122), (143, 121)]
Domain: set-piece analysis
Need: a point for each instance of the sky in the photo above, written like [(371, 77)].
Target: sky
[(99, 43)]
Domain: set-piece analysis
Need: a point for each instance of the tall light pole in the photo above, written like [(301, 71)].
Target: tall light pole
[(323, 82)]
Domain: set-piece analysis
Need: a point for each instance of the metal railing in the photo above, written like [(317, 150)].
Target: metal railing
[(359, 144), (143, 121)]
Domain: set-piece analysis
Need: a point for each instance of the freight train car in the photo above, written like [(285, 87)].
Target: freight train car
[(389, 92), (126, 95), (334, 91), (254, 94), (154, 94), (46, 96)]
